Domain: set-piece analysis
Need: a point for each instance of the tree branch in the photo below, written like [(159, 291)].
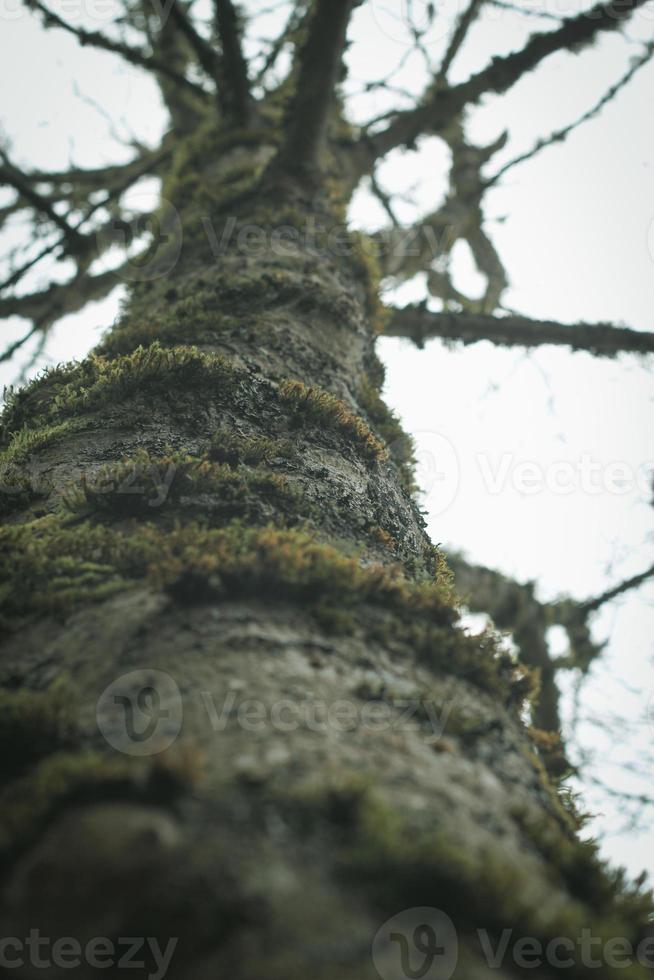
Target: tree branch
[(317, 70), (514, 607), (591, 605), (48, 305), (419, 324), (135, 56), (206, 55), (460, 33), (440, 105), (12, 177), (233, 83), (560, 135)]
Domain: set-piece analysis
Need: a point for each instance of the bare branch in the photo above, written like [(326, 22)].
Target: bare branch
[(561, 134), (419, 324), (591, 605), (135, 56), (525, 11), (277, 46), (439, 105), (13, 348), (206, 55), (12, 177), (460, 33), (234, 84), (67, 184), (514, 607), (88, 245), (48, 305), (317, 70)]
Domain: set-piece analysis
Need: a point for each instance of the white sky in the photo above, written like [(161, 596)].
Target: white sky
[(575, 229)]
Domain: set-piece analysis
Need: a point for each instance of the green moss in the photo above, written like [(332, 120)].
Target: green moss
[(577, 862), (27, 441), (33, 724), (103, 381), (189, 184), (27, 802), (99, 380), (313, 406), (397, 860), (332, 806), (65, 778), (18, 485), (389, 427), (142, 484), (23, 405), (383, 538), (240, 306), (194, 324), (229, 446), (46, 566), (478, 660), (16, 490), (366, 266), (55, 564), (49, 567)]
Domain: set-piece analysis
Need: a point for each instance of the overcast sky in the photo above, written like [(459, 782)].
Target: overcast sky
[(539, 465)]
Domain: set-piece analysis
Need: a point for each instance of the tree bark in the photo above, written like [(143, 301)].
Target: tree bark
[(345, 751)]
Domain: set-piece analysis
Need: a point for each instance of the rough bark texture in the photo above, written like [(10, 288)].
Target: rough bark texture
[(287, 563)]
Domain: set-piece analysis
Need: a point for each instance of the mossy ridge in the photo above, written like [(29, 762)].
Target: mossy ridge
[(53, 568), (230, 446), (94, 557), (576, 861), (67, 778), (477, 659), (46, 566), (21, 405), (27, 441), (230, 303), (28, 801), (99, 380), (398, 865), (16, 490), (45, 766), (18, 487), (199, 328), (143, 483), (315, 406)]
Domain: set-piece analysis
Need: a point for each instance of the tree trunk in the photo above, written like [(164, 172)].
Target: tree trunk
[(237, 706)]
